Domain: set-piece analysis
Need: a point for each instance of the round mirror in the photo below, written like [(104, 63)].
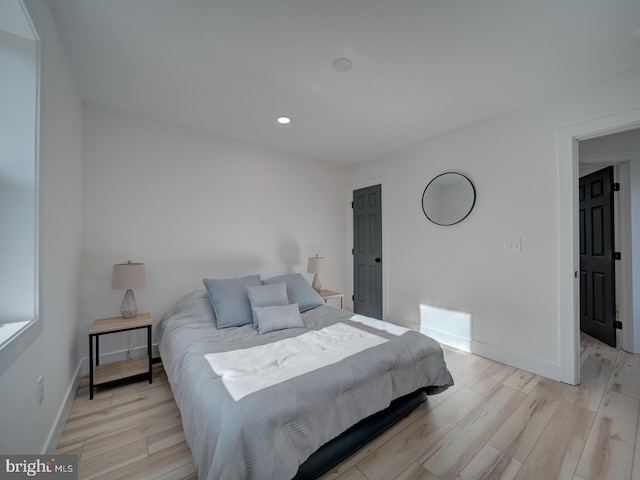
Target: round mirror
[(448, 198)]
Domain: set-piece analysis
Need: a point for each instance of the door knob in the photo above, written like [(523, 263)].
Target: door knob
[(378, 260)]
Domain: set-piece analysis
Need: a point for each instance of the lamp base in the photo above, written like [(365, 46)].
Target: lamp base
[(129, 307), (316, 283)]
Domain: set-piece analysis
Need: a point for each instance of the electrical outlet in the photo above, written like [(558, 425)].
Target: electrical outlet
[(39, 390)]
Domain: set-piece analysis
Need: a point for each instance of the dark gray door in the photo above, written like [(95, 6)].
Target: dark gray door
[(597, 281), (367, 251)]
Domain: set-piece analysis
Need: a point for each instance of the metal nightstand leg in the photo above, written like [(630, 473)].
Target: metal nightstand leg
[(149, 352), (90, 367)]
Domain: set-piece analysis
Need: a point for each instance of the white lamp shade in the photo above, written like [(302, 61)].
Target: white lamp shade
[(316, 265), (128, 275)]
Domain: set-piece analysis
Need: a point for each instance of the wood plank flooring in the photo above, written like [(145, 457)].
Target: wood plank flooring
[(132, 431), (496, 423)]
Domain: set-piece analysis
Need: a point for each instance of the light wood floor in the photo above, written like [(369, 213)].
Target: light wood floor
[(496, 423)]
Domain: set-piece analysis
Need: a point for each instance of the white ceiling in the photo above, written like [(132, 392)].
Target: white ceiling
[(420, 67)]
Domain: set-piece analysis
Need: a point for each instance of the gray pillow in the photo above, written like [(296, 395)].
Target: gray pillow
[(277, 318), (230, 299), (298, 290), (267, 296)]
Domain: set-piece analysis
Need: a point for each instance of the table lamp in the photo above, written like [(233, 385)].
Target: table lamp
[(316, 266), (127, 276)]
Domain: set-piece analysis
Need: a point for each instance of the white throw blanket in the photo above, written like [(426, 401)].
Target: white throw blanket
[(391, 328), (248, 370)]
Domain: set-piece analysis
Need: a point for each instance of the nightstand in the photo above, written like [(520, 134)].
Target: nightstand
[(327, 294), (132, 367)]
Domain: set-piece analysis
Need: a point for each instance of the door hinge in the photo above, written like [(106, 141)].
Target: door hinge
[(617, 324), (353, 252), (353, 298), (351, 204), (617, 256), (615, 187)]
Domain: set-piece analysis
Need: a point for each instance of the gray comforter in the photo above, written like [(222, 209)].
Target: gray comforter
[(268, 434)]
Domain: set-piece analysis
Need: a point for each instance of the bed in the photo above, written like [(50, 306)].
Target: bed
[(261, 401)]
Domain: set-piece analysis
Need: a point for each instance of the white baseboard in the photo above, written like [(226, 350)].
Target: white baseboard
[(450, 327), (83, 369), (447, 338), (61, 419), (515, 359)]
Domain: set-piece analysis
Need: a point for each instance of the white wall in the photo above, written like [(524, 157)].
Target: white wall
[(513, 160), (25, 427), (192, 205)]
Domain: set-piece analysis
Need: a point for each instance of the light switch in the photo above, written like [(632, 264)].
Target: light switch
[(512, 244)]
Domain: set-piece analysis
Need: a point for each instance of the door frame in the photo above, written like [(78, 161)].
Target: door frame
[(569, 258), (385, 253)]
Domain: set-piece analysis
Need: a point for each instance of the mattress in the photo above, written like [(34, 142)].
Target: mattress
[(270, 431)]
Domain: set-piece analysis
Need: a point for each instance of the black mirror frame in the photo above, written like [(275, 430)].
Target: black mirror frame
[(473, 203)]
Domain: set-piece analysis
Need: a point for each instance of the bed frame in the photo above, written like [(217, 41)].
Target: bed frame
[(336, 450)]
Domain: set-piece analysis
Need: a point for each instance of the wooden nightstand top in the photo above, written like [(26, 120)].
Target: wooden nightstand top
[(115, 324), (327, 294), (324, 293)]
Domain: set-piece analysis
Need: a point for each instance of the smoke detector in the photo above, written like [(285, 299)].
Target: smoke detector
[(341, 65)]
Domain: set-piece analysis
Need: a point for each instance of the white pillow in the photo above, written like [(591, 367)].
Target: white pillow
[(277, 317)]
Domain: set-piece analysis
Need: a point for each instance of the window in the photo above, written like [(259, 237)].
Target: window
[(19, 82)]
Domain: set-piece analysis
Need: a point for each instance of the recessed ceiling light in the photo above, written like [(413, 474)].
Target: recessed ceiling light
[(282, 120), (341, 65)]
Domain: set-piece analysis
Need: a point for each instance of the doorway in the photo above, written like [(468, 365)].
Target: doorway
[(367, 251), (569, 291), (596, 193)]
